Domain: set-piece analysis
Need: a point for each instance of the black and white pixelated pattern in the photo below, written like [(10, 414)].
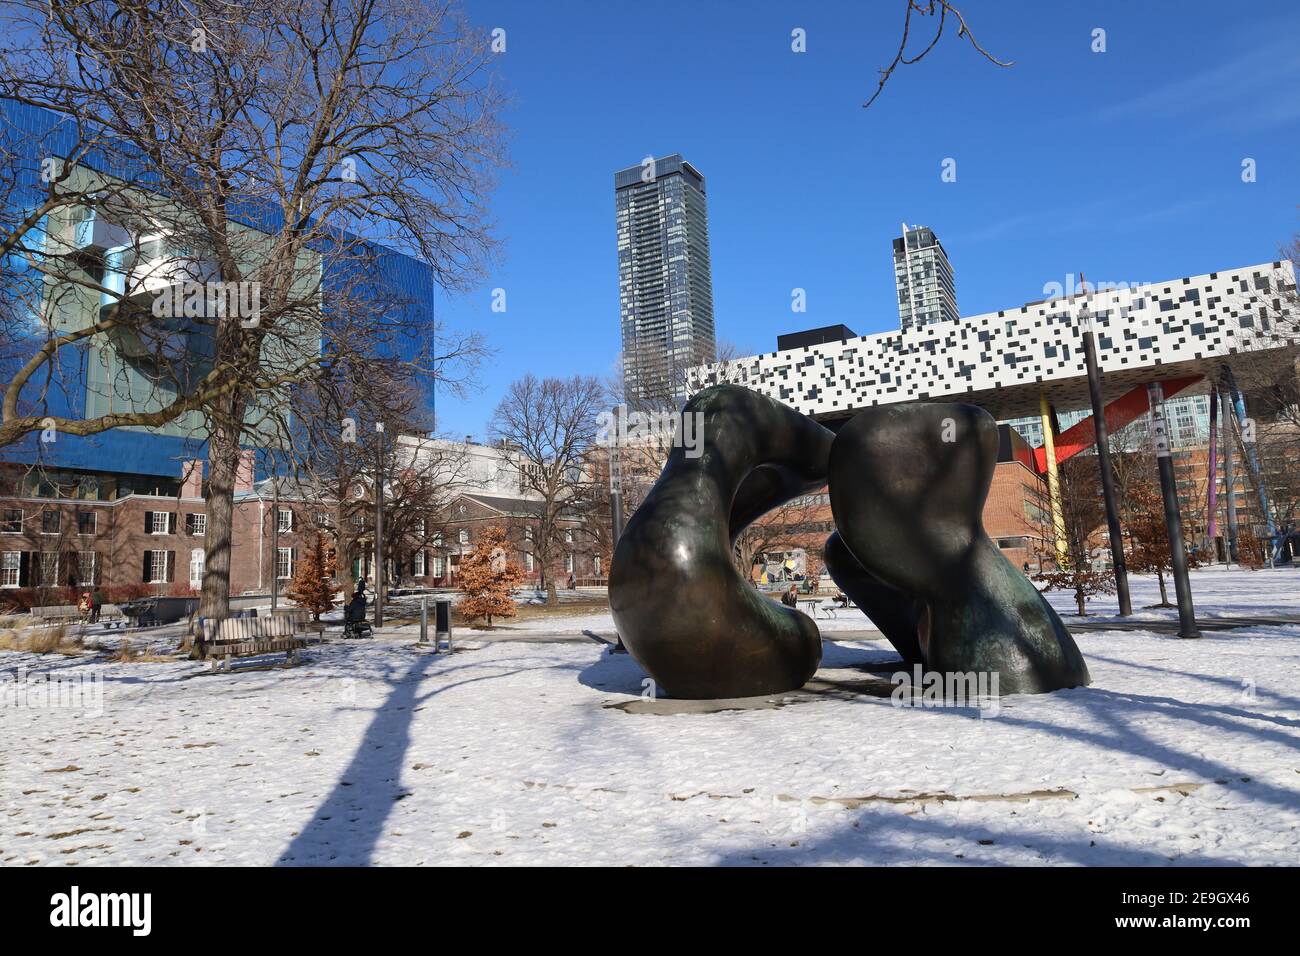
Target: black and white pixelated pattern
[(1180, 323)]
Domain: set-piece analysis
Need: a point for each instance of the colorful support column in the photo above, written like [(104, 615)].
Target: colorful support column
[(1252, 462), (1212, 498), (1053, 480), (1229, 479)]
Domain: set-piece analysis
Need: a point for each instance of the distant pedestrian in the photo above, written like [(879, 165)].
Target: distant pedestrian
[(791, 597)]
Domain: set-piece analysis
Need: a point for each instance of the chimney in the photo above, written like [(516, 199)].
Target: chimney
[(244, 475), (192, 478)]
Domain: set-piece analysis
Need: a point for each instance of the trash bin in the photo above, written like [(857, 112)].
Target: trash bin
[(442, 621)]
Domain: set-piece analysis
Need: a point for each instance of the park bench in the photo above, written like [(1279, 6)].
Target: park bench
[(227, 638), (57, 613)]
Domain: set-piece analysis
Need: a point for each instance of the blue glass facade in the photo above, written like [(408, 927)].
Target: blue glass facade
[(401, 280)]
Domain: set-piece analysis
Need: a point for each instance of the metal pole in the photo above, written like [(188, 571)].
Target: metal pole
[(1103, 463), (1173, 521), (1053, 481), (424, 619), (1229, 480), (275, 540), (616, 478), (1212, 469), (379, 528)]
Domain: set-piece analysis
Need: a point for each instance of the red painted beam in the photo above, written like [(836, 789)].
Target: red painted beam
[(1123, 410)]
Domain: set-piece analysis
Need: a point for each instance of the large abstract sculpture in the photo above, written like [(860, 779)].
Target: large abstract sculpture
[(907, 488), (681, 607)]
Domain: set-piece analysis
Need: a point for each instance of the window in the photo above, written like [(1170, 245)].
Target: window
[(196, 524), (11, 564), (528, 534), (595, 564), (437, 566), (284, 521), (419, 527), (86, 561), (49, 568), (49, 522), (284, 563), (13, 521), (437, 540), (568, 563), (157, 566), (528, 561), (87, 522), (158, 522), (196, 568), (322, 519), (568, 537), (418, 564), (464, 537)]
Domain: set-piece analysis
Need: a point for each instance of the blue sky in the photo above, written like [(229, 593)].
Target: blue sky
[(1125, 164)]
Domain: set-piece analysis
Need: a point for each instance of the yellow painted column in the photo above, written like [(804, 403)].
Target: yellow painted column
[(1053, 480)]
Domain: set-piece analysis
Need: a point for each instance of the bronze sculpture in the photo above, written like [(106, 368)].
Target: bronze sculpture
[(907, 487)]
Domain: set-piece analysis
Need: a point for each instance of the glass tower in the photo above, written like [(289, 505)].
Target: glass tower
[(665, 287), (923, 277)]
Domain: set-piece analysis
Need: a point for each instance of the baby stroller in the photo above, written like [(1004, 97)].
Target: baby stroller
[(354, 616)]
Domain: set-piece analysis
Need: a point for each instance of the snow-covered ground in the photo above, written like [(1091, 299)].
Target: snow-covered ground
[(508, 752)]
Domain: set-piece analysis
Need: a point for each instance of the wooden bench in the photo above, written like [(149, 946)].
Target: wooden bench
[(233, 637)]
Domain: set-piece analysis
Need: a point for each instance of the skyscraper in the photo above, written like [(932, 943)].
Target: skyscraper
[(665, 287), (924, 278)]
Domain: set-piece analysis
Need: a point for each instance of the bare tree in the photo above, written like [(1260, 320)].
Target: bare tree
[(293, 136), (552, 424), (941, 9)]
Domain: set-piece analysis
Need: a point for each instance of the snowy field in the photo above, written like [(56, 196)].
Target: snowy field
[(1181, 752)]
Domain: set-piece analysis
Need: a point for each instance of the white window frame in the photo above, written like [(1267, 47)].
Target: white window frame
[(199, 521), (94, 524), (84, 580), (419, 527), (595, 564), (528, 561), (421, 563), (464, 536), (201, 556), (154, 517), (568, 536), (284, 520), (11, 563), (437, 566), (58, 521), (22, 517), (568, 562), (158, 563), (284, 555), (50, 580)]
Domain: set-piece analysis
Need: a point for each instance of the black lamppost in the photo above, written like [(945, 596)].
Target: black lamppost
[(1173, 520), (1103, 462), (379, 526)]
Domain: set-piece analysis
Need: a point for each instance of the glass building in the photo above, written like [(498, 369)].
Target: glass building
[(923, 277), (104, 374), (665, 285)]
